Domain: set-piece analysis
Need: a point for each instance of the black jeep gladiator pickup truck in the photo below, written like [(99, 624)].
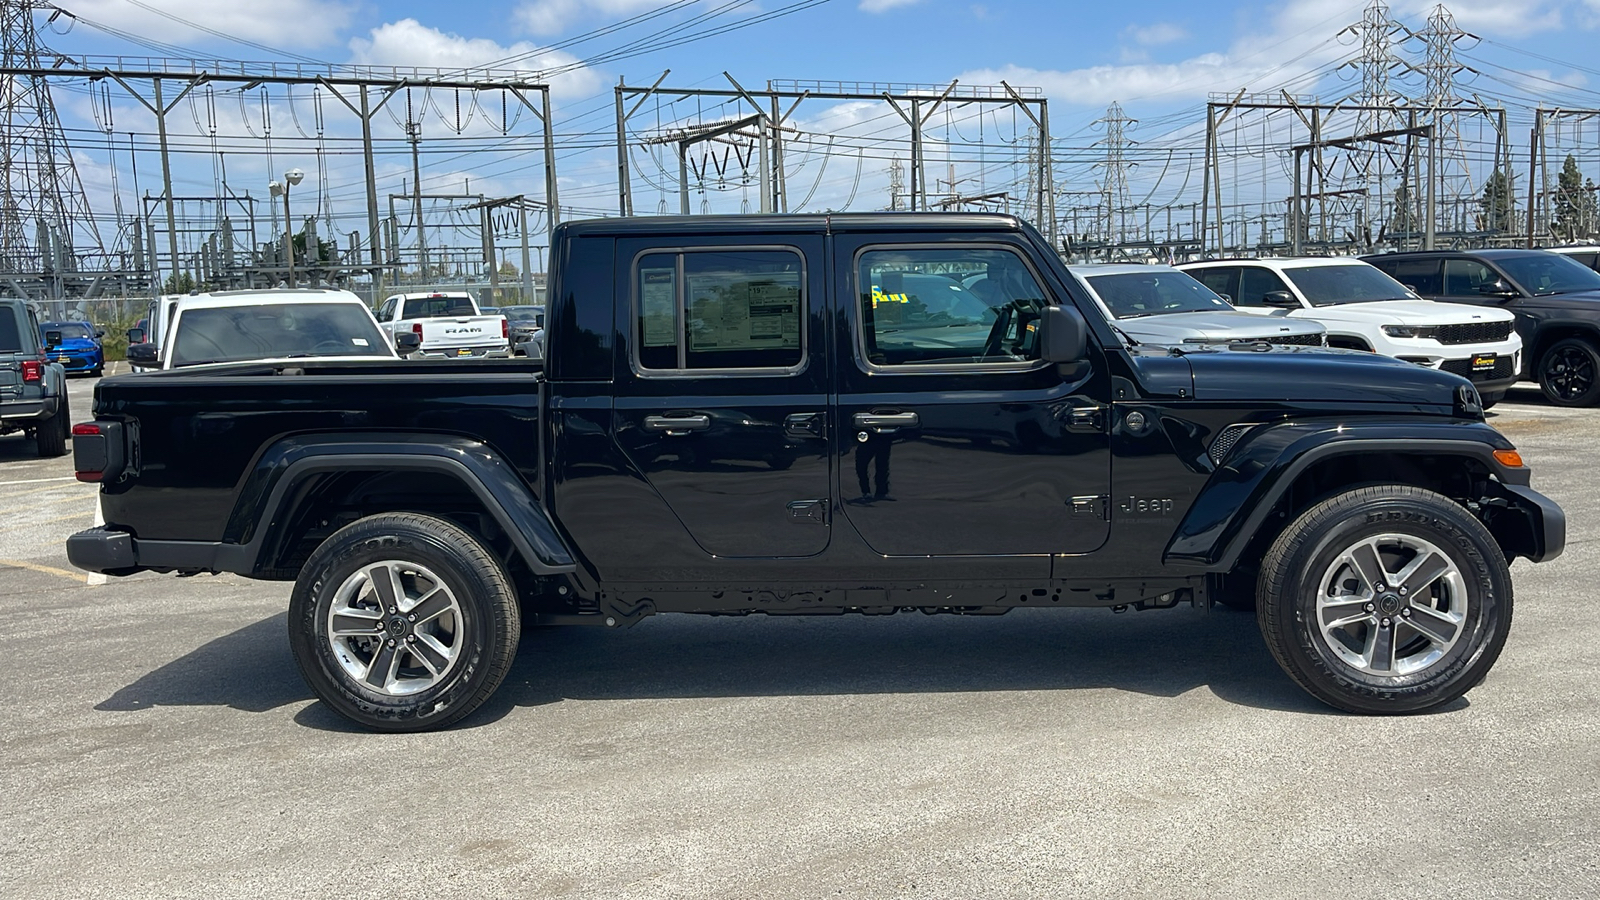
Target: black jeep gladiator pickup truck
[(822, 414)]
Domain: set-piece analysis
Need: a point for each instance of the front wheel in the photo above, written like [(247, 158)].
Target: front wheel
[(1569, 373), (403, 622), (1386, 599)]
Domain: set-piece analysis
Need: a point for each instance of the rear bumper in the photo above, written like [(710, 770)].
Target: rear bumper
[(464, 353), (109, 552), (16, 411)]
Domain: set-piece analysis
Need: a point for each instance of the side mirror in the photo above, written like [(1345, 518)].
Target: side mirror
[(1496, 288), (52, 340), (135, 336), (142, 354), (99, 333), (1280, 300), (407, 342), (1063, 335)]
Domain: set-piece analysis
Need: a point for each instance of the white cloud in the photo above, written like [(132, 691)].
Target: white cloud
[(1156, 34), (551, 17), (878, 6), (287, 24), (1295, 42), (410, 43)]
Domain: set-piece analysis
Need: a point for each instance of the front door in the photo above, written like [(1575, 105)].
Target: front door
[(951, 437), (722, 405)]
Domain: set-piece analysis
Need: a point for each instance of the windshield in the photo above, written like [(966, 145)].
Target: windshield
[(1334, 285), (434, 307), (236, 333), (69, 330), (1549, 273), (533, 315), (1131, 295)]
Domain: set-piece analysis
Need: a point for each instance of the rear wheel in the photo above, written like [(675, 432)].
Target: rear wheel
[(54, 431), (1386, 599), (403, 622), (1569, 373)]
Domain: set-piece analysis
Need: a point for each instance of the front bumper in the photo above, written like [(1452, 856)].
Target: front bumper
[(1526, 522)]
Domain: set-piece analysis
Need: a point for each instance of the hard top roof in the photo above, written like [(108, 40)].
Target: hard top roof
[(790, 222)]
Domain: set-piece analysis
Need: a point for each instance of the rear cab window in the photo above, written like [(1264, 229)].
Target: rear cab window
[(725, 308), (436, 307)]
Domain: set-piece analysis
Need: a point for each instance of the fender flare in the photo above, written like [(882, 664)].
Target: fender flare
[(262, 510), (1235, 502)]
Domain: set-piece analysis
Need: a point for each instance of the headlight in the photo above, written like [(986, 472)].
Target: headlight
[(1408, 331)]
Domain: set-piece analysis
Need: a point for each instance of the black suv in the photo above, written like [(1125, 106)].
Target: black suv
[(1556, 301)]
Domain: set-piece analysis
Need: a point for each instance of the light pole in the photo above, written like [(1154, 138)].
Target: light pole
[(290, 179)]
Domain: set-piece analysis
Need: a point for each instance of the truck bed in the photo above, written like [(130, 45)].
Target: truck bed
[(200, 434)]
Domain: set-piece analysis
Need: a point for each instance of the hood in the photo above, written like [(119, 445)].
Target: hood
[(1217, 327), (1410, 312), (1313, 375), (1588, 301)]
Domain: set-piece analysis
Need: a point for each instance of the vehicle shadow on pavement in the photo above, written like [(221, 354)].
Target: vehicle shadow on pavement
[(1160, 654), (249, 670)]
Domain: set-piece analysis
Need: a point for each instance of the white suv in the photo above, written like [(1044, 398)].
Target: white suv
[(1365, 309)]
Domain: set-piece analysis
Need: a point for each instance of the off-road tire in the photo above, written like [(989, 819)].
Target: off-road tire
[(489, 620), (1290, 590), (53, 433)]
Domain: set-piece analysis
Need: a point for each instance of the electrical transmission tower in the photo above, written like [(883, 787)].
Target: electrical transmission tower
[(1441, 70), (897, 184), (1114, 171), (1376, 61), (43, 208)]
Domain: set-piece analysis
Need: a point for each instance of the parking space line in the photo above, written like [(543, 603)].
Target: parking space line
[(36, 524), (78, 577), (43, 490), (37, 480)]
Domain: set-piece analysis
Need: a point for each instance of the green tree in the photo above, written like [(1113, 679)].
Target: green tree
[(1574, 203), (179, 283), (1495, 204)]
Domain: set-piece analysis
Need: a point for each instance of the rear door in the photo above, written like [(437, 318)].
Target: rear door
[(722, 401), (951, 437)]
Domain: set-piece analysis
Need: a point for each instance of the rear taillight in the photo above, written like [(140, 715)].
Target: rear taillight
[(505, 328), (416, 328), (32, 370), (90, 463)]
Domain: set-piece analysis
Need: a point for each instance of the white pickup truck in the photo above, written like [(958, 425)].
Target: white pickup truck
[(448, 324)]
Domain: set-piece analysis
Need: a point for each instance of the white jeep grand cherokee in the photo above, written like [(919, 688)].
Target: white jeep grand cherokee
[(1364, 309)]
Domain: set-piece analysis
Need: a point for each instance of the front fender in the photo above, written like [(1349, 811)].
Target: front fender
[(263, 507), (1238, 497)]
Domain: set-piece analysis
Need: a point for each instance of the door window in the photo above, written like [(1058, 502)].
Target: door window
[(728, 309), (1462, 277), (1220, 279), (1420, 275), (1255, 283), (947, 306)]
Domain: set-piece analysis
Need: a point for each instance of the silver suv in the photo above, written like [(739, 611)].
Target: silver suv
[(1163, 306)]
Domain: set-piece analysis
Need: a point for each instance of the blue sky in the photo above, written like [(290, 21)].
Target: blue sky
[(1160, 60)]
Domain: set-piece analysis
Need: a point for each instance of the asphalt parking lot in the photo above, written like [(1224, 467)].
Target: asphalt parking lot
[(162, 744)]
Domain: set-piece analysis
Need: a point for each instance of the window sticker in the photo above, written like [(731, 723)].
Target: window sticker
[(738, 311), (658, 305)]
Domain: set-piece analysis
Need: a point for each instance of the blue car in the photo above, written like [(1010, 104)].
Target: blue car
[(79, 350)]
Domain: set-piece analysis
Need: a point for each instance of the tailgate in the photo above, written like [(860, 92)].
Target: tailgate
[(468, 331)]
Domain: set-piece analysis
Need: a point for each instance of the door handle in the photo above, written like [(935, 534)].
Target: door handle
[(886, 421), (803, 425), (676, 425)]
